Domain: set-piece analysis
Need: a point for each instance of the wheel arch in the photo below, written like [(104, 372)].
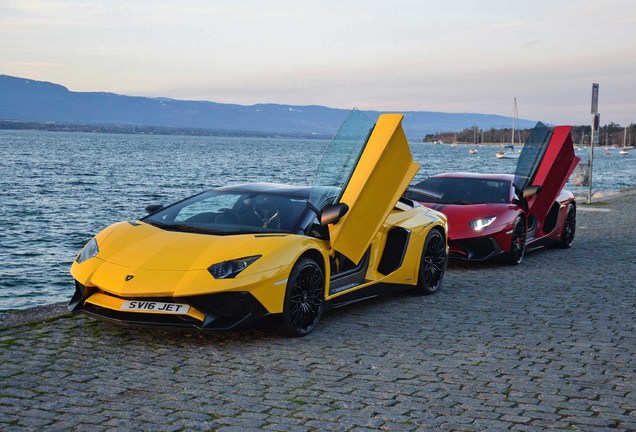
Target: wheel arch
[(304, 301), (510, 257), (318, 257), (523, 217), (507, 242), (439, 227)]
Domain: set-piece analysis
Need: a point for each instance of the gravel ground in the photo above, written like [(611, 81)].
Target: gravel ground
[(548, 345)]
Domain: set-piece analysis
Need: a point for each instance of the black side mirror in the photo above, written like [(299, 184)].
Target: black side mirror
[(531, 191), (153, 208), (333, 213)]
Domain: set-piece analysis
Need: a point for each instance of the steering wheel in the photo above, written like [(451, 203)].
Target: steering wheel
[(261, 212), (269, 217)]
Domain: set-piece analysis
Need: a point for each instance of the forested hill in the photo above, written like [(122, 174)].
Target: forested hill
[(611, 134), (26, 100)]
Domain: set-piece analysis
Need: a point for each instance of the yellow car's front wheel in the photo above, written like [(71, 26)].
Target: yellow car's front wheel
[(304, 298)]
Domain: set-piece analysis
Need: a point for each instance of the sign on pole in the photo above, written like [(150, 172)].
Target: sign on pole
[(595, 98), (596, 120)]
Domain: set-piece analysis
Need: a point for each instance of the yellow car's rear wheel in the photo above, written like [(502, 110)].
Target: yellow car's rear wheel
[(433, 264), (304, 298)]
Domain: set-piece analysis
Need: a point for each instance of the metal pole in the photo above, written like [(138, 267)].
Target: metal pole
[(589, 193)]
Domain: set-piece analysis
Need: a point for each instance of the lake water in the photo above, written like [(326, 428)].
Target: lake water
[(59, 189)]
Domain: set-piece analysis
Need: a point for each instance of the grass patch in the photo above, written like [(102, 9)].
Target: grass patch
[(594, 203), (8, 343)]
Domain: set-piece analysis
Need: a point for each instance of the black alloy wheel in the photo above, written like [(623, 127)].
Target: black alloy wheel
[(518, 246), (304, 298), (432, 264), (569, 228)]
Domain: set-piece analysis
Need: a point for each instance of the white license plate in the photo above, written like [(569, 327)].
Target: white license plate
[(151, 306)]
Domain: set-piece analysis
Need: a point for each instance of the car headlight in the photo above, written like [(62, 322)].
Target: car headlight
[(231, 268), (480, 224), (90, 250)]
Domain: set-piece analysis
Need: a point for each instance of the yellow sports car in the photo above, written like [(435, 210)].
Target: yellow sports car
[(228, 256)]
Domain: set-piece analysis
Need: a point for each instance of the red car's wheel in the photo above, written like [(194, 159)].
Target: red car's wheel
[(518, 243), (569, 228), (304, 298), (433, 264)]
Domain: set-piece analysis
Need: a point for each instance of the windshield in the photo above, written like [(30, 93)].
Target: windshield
[(224, 212), (455, 190), (340, 158), (531, 155)]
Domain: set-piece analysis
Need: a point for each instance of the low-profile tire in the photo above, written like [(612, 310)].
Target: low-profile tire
[(304, 298), (569, 228), (432, 264), (517, 243)]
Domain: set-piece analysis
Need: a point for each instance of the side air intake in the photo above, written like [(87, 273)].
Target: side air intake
[(394, 250)]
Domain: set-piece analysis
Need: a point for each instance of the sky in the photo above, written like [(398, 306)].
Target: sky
[(400, 55)]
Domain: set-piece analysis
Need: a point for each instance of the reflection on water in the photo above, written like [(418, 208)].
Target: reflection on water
[(59, 189)]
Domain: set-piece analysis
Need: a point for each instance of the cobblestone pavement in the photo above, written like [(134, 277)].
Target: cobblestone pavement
[(546, 345)]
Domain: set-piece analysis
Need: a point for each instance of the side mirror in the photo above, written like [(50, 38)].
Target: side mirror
[(531, 191), (331, 214), (153, 208)]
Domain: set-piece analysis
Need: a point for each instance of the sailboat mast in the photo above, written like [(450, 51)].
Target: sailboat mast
[(624, 136), (514, 121)]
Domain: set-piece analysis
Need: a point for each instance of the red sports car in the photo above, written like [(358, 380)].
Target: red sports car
[(503, 215)]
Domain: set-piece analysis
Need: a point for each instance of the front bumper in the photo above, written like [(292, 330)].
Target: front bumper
[(220, 311), (474, 249)]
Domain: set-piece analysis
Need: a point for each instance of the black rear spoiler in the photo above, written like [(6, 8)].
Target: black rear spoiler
[(413, 192)]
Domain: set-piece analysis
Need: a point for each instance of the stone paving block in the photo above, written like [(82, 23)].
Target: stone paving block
[(285, 424), (491, 425), (399, 427), (34, 422), (515, 418)]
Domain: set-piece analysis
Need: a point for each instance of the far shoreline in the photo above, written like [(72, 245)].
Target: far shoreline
[(124, 129)]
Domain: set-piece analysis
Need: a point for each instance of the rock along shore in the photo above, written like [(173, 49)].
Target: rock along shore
[(549, 344)]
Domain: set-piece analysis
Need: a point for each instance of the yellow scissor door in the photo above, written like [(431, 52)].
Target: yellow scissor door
[(376, 174)]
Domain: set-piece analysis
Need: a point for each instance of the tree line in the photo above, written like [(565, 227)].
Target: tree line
[(146, 130), (610, 134)]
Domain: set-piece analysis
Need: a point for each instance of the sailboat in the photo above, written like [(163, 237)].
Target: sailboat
[(473, 150), (624, 150), (508, 152)]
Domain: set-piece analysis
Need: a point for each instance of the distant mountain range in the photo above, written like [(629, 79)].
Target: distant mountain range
[(26, 100)]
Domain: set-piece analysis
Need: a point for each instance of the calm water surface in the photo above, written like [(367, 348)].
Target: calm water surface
[(59, 189)]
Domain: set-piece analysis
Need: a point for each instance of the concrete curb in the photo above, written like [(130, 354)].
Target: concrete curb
[(16, 318), (582, 199)]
